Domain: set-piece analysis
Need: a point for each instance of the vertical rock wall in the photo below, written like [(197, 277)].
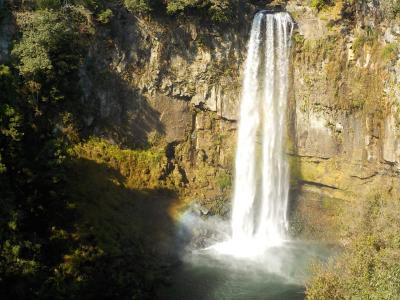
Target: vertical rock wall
[(180, 80), (345, 118)]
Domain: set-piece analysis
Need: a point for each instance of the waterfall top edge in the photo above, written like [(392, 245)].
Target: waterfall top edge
[(265, 12)]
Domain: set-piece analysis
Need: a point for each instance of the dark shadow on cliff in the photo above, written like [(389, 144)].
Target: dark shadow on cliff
[(294, 161), (116, 110), (178, 37), (131, 227)]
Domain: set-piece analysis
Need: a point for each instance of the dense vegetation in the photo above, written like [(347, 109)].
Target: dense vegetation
[(50, 246), (216, 10), (35, 229), (369, 268)]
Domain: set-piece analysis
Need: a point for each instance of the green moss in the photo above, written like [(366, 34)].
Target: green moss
[(312, 172), (314, 50), (357, 103), (224, 181), (219, 139), (5, 71), (203, 174)]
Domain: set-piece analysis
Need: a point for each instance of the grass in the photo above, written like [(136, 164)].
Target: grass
[(142, 168), (369, 38)]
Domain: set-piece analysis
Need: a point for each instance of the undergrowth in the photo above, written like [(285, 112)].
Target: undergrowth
[(369, 267)]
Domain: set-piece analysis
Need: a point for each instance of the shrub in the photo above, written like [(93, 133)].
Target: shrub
[(45, 39), (391, 8), (369, 267), (105, 16), (221, 11), (138, 6), (55, 4), (177, 6), (142, 167), (320, 4), (34, 47)]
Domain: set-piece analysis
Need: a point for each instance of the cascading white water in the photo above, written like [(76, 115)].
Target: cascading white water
[(259, 216)]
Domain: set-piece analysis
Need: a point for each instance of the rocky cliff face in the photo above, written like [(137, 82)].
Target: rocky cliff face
[(180, 81), (344, 106), (172, 80)]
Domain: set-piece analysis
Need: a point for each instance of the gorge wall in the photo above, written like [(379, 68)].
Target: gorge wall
[(180, 82), (176, 82), (344, 118)]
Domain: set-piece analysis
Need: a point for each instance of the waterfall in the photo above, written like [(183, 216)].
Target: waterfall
[(260, 199)]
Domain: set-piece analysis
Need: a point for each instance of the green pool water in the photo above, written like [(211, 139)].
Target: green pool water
[(280, 273)]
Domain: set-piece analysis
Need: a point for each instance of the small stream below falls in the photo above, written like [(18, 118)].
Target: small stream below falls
[(279, 274)]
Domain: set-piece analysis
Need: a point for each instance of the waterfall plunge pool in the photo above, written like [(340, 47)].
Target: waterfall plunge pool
[(279, 274)]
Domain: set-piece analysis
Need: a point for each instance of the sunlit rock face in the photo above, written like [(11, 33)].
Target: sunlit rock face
[(345, 97), (343, 108)]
